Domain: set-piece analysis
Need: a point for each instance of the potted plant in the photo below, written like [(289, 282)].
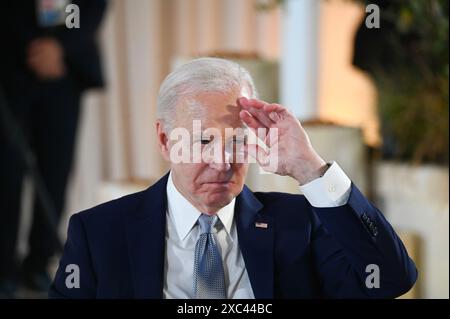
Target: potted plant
[(408, 59)]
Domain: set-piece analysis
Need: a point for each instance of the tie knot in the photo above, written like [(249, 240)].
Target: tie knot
[(206, 223)]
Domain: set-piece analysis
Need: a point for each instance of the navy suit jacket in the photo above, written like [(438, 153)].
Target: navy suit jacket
[(305, 252)]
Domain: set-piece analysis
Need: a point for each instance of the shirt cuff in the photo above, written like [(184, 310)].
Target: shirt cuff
[(330, 190)]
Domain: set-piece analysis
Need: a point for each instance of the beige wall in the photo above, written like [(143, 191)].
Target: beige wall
[(346, 95)]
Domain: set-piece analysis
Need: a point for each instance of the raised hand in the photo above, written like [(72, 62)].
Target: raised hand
[(296, 156)]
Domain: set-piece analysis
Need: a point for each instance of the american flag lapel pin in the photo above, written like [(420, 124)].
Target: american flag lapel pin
[(261, 225)]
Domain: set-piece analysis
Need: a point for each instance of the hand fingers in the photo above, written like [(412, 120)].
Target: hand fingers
[(258, 153), (37, 61), (273, 111), (255, 125), (276, 112), (255, 108), (35, 46), (251, 121), (34, 62), (268, 136), (37, 54), (251, 102), (273, 107)]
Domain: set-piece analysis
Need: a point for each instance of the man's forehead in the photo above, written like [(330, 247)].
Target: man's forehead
[(218, 111)]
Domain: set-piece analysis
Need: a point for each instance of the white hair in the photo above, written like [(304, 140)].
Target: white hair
[(199, 76)]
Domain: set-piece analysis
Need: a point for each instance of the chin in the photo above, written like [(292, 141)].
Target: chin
[(219, 199)]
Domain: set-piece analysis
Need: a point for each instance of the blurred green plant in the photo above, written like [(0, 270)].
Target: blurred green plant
[(408, 59), (264, 5)]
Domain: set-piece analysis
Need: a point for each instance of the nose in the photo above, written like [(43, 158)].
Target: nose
[(221, 166), (220, 160)]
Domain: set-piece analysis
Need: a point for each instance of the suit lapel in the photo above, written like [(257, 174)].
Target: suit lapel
[(146, 242), (256, 235)]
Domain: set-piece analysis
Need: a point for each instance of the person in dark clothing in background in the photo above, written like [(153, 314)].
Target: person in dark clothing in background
[(45, 67)]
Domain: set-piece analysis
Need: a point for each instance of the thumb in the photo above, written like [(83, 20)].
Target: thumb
[(258, 153)]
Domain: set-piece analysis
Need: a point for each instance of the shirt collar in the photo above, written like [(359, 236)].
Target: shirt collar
[(184, 215)]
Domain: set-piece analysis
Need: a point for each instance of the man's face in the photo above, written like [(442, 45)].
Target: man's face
[(215, 179)]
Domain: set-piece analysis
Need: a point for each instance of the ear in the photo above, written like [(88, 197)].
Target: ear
[(163, 140)]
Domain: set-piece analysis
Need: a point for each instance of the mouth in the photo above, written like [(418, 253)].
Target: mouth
[(219, 183)]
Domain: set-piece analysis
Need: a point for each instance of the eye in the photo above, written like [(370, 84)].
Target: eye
[(204, 141)]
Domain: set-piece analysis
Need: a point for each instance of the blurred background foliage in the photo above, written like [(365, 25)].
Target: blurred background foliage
[(408, 59)]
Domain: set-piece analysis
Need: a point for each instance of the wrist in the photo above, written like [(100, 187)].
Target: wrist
[(311, 170)]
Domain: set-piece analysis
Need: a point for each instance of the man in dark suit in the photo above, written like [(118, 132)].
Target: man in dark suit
[(200, 233), (45, 67)]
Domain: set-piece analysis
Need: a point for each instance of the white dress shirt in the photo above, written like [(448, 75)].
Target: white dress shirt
[(181, 237), (330, 190), (182, 233)]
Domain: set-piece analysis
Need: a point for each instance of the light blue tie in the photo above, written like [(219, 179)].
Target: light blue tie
[(209, 279)]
